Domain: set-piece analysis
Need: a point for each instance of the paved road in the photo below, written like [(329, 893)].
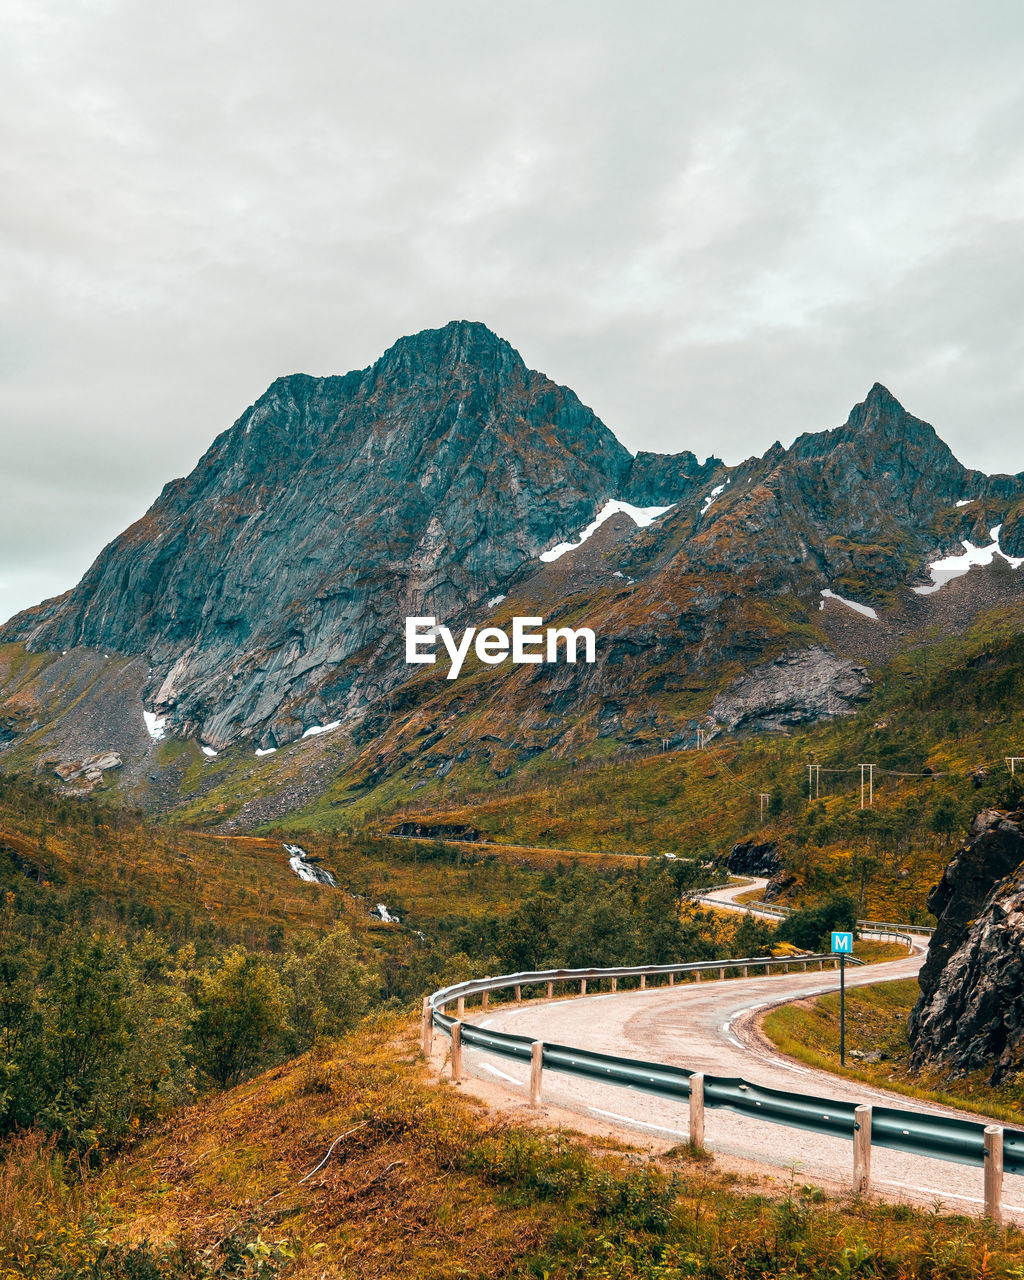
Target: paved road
[(710, 1027)]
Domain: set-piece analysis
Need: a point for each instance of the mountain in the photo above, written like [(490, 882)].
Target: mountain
[(333, 508), (263, 596)]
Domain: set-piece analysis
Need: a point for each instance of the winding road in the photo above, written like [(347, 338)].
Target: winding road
[(712, 1027)]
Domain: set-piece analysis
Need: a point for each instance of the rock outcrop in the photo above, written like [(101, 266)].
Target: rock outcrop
[(88, 771), (435, 831), (970, 1013), (799, 687), (753, 859)]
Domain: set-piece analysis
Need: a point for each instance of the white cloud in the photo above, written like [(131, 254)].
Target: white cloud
[(718, 224)]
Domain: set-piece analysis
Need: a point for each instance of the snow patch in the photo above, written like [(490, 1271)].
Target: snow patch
[(950, 567), (155, 725), (495, 600), (965, 502), (641, 517), (208, 751), (265, 751), (715, 492), (864, 609), (315, 729)]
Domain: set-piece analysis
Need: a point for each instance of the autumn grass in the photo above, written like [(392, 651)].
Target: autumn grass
[(424, 1182), (876, 1023)]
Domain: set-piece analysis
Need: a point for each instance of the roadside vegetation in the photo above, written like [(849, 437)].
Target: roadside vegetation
[(877, 1050), (423, 1182)]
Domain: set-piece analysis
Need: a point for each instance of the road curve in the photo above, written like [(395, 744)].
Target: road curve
[(710, 1027)]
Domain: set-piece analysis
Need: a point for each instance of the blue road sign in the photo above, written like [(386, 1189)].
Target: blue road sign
[(842, 943)]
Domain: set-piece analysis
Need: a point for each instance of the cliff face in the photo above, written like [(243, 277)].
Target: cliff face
[(970, 1014), (265, 593)]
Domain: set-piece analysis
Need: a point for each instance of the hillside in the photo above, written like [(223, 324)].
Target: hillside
[(355, 1163)]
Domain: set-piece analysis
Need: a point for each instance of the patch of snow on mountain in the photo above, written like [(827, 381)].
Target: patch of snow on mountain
[(155, 725), (965, 502), (864, 609), (208, 751), (641, 517), (265, 751), (315, 729), (950, 567), (495, 600), (715, 492)]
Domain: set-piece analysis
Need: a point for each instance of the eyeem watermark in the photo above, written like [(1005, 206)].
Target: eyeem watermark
[(493, 645)]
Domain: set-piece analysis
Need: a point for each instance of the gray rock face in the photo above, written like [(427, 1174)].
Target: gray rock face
[(970, 1014), (753, 859), (798, 688)]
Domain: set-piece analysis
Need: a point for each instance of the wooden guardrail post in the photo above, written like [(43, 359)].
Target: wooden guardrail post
[(615, 984), (485, 999), (643, 982), (583, 986), (671, 979), (862, 1150), (696, 975), (519, 993), (697, 1109), (460, 1007), (551, 991), (994, 1172), (427, 1027), (536, 1072), (456, 1052), (746, 971)]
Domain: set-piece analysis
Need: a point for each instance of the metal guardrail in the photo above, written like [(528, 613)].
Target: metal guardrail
[(870, 926), (921, 1133), (878, 928)]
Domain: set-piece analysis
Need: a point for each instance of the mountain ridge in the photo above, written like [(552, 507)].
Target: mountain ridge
[(265, 592)]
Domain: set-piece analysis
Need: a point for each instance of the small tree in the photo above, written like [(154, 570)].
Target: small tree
[(239, 1021), (811, 928), (330, 989)]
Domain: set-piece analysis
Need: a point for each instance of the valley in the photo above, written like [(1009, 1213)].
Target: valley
[(246, 825)]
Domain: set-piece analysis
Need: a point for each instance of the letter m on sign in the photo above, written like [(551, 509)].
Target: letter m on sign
[(842, 943)]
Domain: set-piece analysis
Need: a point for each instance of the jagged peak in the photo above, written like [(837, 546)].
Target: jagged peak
[(456, 343), (881, 398)]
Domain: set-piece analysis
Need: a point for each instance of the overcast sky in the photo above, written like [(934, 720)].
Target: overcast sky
[(719, 223)]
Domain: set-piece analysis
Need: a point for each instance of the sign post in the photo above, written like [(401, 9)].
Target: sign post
[(842, 946)]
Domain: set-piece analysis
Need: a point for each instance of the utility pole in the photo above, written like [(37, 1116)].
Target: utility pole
[(702, 738), (764, 797), (871, 786), (1012, 762), (813, 782)]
